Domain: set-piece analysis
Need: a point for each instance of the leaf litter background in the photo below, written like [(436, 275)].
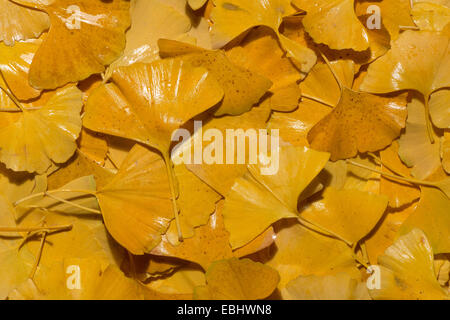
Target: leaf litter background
[(85, 141)]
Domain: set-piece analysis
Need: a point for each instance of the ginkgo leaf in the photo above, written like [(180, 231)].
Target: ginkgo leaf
[(377, 33), (261, 53), (197, 4), (341, 286), (17, 185), (235, 279), (18, 23), (136, 205), (433, 218), (257, 201), (407, 270), (445, 151), (78, 194), (209, 244), (418, 61), (360, 122), (221, 177), (113, 285), (93, 146), (16, 262), (395, 14), (351, 214), (92, 40), (430, 16), (386, 231), (298, 251), (43, 136), (151, 20), (78, 167), (415, 149), (439, 111), (294, 126), (15, 64), (231, 18), (148, 102), (321, 85), (197, 201), (324, 15), (399, 193), (182, 282), (242, 88)]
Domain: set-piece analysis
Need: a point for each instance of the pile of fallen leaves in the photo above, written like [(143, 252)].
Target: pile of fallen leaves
[(93, 205)]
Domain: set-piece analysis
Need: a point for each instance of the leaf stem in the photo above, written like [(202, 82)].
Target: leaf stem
[(48, 193), (34, 229), (38, 257), (341, 86), (9, 93), (321, 229), (74, 204), (428, 119), (317, 100), (401, 178), (171, 174)]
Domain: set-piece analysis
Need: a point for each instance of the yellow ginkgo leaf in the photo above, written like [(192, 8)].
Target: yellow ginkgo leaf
[(385, 233), (18, 23), (415, 149), (209, 244), (43, 136), (430, 16), (350, 214), (439, 110), (93, 39), (360, 122), (221, 177), (399, 193), (433, 218), (325, 15), (16, 262), (418, 60), (257, 201), (114, 285), (298, 251), (15, 64), (261, 53), (148, 102), (378, 35), (407, 270), (77, 167), (294, 126), (151, 20), (395, 14), (341, 286), (93, 146), (136, 205), (197, 4), (242, 88), (400, 68), (321, 85), (197, 201), (235, 279), (445, 151), (231, 18), (76, 197), (182, 282), (17, 185)]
